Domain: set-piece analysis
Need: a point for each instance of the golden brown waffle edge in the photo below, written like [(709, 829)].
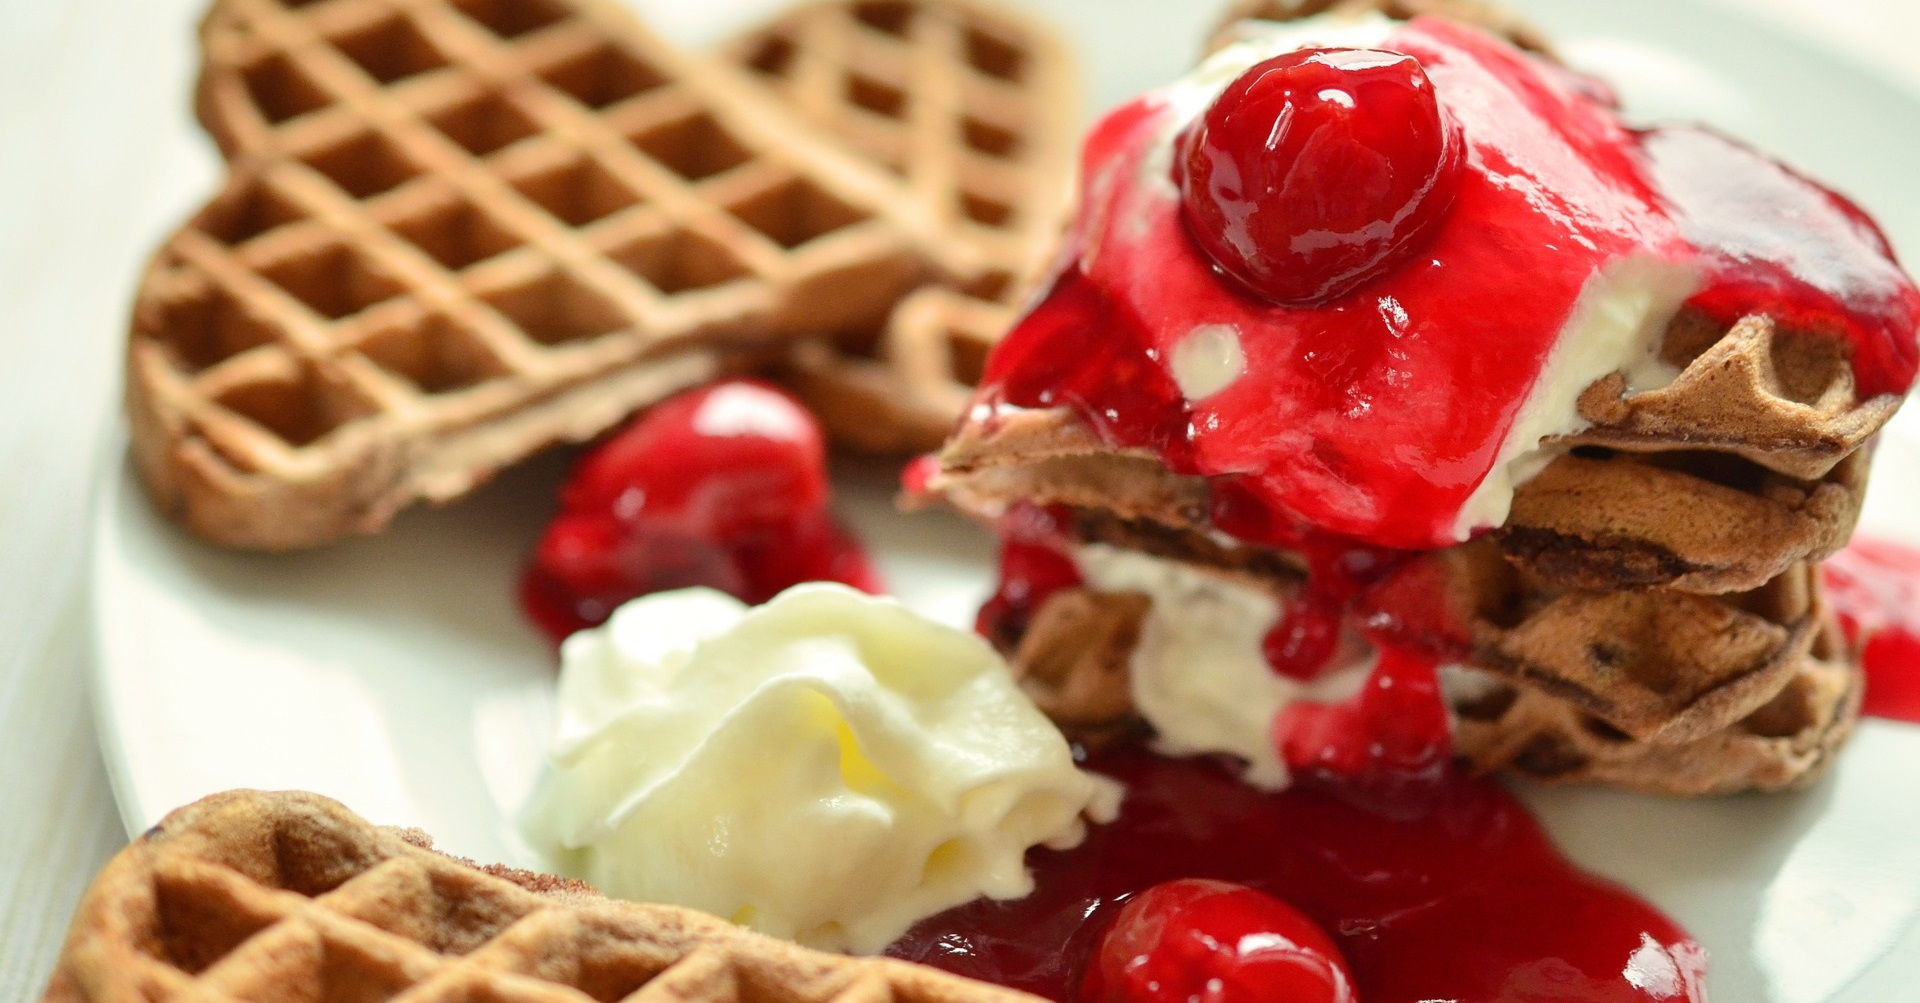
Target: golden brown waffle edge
[(289, 896)]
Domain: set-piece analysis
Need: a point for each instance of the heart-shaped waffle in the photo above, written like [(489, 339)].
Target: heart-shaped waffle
[(975, 109), (457, 231), (289, 896)]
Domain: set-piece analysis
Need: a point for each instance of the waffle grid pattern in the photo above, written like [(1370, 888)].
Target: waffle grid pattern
[(943, 96), (442, 205), (444, 214), (1787, 741), (973, 110), (1649, 617), (251, 896)]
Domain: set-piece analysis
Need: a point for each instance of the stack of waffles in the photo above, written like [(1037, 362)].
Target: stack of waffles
[(457, 231), (253, 896), (1649, 616)]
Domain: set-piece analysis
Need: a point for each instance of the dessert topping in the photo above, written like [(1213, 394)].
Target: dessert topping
[(724, 487), (1214, 942), (828, 767), (1402, 412), (1874, 588), (1458, 895), (1317, 170)]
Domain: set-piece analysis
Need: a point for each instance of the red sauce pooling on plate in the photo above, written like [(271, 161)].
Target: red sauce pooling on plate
[(1449, 891), (1874, 588), (1374, 415), (724, 487)]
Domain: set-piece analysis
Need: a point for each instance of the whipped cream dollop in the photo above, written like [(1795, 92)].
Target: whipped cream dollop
[(829, 767), (1199, 673)]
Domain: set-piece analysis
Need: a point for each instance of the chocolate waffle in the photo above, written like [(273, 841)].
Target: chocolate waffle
[(975, 108), (1648, 615), (457, 231), (289, 896), (1651, 689)]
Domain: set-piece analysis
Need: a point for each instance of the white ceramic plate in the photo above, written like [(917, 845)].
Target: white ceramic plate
[(395, 673)]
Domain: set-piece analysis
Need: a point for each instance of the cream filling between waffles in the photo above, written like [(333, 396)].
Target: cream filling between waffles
[(829, 767), (1199, 673), (1614, 326)]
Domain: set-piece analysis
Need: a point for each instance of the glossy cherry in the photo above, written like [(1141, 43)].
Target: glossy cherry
[(1199, 941), (1318, 170), (724, 487)]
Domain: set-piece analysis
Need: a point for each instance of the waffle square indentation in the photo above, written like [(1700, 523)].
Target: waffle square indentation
[(485, 124), (282, 91), (204, 330), (984, 210), (456, 234), (882, 99), (364, 166), (433, 354), (680, 262), (512, 18), (299, 407), (241, 215), (694, 147), (994, 56), (796, 212), (888, 17), (578, 192), (557, 309), (391, 50), (992, 140), (602, 77), (335, 281)]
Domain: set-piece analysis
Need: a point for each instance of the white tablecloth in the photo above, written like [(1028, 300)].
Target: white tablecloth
[(92, 94)]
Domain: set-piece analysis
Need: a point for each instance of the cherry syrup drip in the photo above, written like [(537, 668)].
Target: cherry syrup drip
[(1454, 895), (1034, 564), (1340, 573), (1874, 589), (1393, 740), (724, 487)]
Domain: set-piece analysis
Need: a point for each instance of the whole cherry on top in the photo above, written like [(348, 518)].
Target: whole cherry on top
[(1199, 941), (1318, 170), (724, 487)]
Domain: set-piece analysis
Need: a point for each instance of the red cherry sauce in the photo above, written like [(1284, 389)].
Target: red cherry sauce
[(1035, 563), (1874, 588), (1374, 415), (724, 487), (1456, 896)]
